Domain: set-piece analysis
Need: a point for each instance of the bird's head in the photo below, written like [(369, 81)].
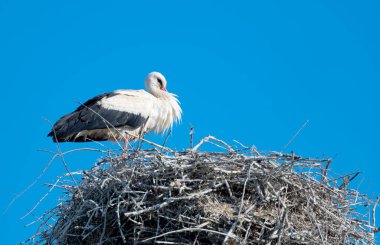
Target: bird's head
[(155, 83)]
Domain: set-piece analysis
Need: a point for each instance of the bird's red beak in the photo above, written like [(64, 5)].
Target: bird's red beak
[(164, 89)]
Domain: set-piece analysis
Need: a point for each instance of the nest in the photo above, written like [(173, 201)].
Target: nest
[(190, 197)]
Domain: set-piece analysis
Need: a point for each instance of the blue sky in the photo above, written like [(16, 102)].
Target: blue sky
[(253, 71)]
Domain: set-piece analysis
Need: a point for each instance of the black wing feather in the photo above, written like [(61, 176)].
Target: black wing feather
[(91, 115)]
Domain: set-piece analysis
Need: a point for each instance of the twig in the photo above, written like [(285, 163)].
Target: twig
[(63, 159), (39, 202), (295, 135), (374, 214), (167, 137), (191, 136), (187, 230), (207, 139), (30, 185), (325, 170)]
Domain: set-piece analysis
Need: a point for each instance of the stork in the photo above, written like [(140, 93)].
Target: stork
[(122, 115)]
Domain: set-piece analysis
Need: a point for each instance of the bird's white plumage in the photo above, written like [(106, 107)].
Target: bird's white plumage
[(161, 112), (132, 101), (142, 111)]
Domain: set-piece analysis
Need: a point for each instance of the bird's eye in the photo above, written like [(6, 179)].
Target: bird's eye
[(160, 81)]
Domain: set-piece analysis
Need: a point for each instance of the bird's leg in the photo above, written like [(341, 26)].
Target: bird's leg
[(125, 147)]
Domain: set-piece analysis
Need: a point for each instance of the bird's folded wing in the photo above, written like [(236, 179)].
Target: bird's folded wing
[(117, 109)]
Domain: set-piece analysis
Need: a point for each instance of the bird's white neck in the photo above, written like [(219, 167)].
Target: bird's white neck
[(168, 107), (160, 94)]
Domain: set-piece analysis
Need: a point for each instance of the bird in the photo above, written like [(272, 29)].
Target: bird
[(121, 115)]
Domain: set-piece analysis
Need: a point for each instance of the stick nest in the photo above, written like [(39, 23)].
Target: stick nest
[(190, 197)]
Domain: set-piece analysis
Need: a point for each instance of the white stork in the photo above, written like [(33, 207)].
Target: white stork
[(117, 115)]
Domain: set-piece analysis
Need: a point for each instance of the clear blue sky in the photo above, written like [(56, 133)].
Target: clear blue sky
[(254, 71)]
